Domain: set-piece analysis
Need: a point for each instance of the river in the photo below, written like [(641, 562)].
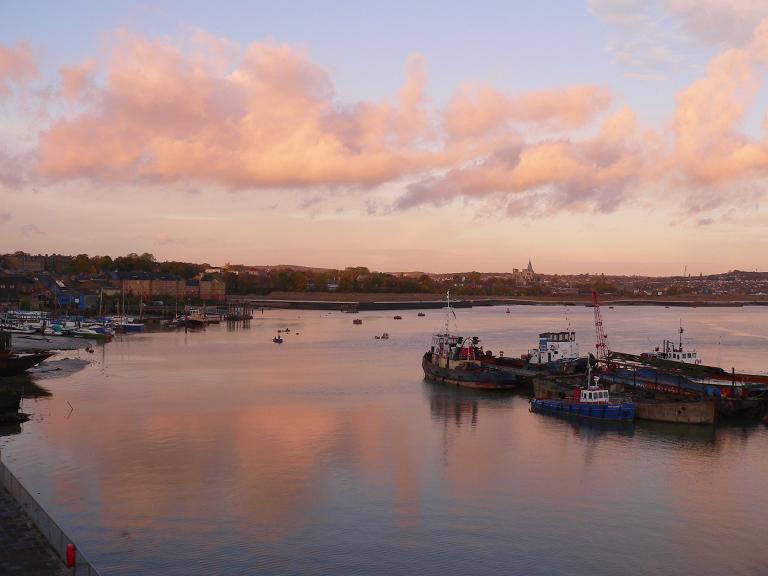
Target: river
[(219, 452)]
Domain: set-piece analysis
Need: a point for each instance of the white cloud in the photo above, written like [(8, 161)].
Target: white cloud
[(728, 22), (658, 35)]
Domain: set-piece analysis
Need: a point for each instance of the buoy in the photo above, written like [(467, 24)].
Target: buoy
[(71, 555)]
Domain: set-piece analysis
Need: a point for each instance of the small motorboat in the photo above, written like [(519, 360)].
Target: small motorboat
[(385, 336), (507, 310), (277, 339), (421, 314), (93, 332), (590, 402), (398, 317), (357, 321)]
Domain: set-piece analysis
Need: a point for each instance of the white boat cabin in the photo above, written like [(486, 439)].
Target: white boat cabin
[(555, 346), (672, 353), (593, 395)]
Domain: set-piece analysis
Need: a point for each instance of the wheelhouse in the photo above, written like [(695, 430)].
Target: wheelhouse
[(594, 395)]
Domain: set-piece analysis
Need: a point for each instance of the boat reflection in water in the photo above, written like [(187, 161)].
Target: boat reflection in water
[(676, 435), (461, 406)]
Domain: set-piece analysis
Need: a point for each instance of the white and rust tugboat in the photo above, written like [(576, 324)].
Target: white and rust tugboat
[(458, 360)]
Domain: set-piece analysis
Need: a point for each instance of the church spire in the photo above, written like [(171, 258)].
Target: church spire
[(530, 267)]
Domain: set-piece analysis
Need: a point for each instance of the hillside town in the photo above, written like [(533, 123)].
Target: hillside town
[(83, 283)]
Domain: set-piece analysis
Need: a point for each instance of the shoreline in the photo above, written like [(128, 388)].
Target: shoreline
[(357, 302)]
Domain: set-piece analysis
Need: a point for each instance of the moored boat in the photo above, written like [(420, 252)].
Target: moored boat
[(557, 353), (93, 332), (591, 402), (458, 360), (13, 362), (668, 353)]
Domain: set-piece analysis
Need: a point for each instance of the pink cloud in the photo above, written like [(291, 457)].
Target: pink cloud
[(709, 149), (76, 80), (270, 121), (553, 174), (17, 67), (206, 111), (477, 111)]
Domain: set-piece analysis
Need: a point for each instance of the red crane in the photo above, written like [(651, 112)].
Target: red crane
[(602, 338)]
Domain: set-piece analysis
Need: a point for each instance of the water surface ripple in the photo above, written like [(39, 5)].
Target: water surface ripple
[(219, 452)]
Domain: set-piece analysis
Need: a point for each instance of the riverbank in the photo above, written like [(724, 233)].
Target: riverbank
[(394, 301), (23, 550)]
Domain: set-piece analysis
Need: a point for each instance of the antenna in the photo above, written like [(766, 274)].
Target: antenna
[(680, 344)]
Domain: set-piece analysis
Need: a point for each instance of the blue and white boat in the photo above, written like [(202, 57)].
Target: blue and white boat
[(591, 402)]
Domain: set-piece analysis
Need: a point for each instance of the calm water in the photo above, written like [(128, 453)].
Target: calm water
[(221, 453)]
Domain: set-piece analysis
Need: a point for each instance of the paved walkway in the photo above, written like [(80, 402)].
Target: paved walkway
[(23, 550)]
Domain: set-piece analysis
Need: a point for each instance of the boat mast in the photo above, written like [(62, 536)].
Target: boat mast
[(448, 313)]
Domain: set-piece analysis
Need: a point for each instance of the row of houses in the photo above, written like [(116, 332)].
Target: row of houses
[(82, 293), (149, 286)]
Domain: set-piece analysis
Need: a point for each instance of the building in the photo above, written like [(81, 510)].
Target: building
[(14, 287), (167, 285), (26, 263), (61, 295), (206, 288), (525, 276), (192, 289), (148, 285), (528, 274), (212, 288)]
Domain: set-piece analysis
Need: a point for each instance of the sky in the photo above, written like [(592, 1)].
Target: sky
[(591, 136)]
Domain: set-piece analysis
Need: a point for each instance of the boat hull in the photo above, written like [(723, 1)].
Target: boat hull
[(129, 328), (484, 379), (17, 363), (684, 412), (98, 336), (624, 412)]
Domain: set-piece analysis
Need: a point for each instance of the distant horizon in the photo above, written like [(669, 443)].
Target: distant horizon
[(402, 271)]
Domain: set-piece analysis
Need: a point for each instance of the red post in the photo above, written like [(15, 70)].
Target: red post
[(71, 555)]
